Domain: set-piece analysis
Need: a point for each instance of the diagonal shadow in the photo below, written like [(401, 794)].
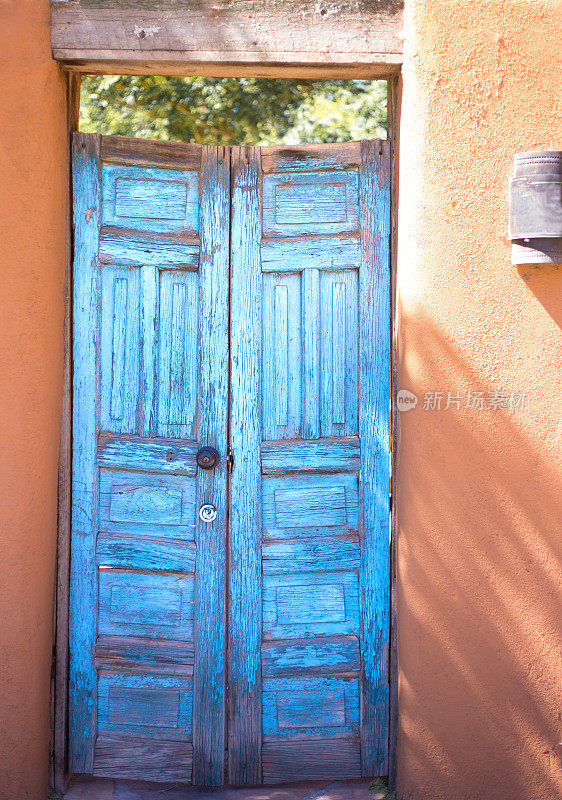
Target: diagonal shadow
[(479, 608)]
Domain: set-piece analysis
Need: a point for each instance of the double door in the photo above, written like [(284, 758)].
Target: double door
[(229, 612)]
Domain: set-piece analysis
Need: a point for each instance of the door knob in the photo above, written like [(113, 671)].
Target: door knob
[(208, 458)]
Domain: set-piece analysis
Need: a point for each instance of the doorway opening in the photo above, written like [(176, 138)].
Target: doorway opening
[(234, 111), (258, 112)]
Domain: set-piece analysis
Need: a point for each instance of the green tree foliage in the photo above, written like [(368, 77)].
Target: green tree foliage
[(252, 111)]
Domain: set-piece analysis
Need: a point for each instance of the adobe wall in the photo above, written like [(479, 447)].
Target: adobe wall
[(32, 260), (480, 492)]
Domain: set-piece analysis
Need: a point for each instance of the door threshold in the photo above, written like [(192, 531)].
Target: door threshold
[(84, 787)]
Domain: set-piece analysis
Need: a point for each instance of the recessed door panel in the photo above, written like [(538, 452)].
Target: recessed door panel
[(147, 707), (146, 604), (147, 504), (120, 349), (150, 200)]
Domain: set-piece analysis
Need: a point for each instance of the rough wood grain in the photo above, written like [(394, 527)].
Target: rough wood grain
[(316, 455), (150, 455), (299, 158), (134, 552), (267, 32), (133, 758), (310, 551), (176, 385), (285, 255), (149, 280), (339, 301), (297, 761), (150, 152), (83, 599), (374, 408), (147, 505), (135, 654), (323, 555), (326, 656), (120, 346), (209, 723), (245, 526), (126, 247), (155, 707)]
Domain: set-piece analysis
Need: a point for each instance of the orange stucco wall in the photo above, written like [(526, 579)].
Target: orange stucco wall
[(32, 259), (480, 493)]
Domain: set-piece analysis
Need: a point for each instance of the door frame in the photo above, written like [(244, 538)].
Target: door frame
[(60, 665)]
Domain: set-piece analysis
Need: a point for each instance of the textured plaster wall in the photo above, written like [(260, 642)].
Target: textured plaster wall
[(480, 493), (32, 259)]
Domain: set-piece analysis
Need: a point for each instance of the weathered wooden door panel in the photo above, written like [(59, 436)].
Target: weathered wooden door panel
[(309, 549), (308, 399), (150, 384)]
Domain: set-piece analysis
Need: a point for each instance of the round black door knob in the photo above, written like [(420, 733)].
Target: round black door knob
[(208, 458)]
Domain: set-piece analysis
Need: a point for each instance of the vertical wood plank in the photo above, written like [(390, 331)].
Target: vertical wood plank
[(149, 310), (311, 355), (60, 694), (374, 394), (210, 637), (245, 525), (394, 101), (83, 687)]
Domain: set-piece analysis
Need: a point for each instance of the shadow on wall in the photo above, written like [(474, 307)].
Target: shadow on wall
[(479, 604)]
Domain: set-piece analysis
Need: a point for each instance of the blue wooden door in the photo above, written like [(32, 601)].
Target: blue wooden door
[(292, 658), (147, 604), (309, 496)]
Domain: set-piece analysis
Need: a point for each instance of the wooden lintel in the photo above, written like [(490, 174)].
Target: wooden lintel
[(270, 38), (235, 70)]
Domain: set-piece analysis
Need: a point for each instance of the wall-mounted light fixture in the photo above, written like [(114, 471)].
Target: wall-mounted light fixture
[(535, 208)]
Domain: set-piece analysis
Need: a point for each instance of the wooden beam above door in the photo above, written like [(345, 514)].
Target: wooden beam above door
[(261, 38)]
